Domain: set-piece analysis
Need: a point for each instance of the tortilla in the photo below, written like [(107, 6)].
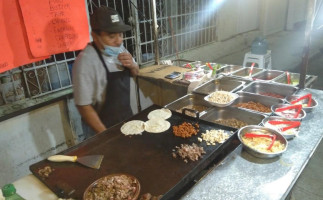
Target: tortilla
[(134, 127), (156, 125), (163, 113)]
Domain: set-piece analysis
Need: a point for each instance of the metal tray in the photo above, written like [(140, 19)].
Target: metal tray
[(189, 99), (268, 75), (264, 100), (148, 157), (244, 72), (235, 78), (219, 84), (260, 88), (229, 69), (230, 112), (294, 79)]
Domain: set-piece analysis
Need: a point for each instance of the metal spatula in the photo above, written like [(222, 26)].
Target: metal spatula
[(93, 161)]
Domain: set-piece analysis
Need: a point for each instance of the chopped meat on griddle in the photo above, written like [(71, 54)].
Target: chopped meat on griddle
[(45, 172), (192, 152)]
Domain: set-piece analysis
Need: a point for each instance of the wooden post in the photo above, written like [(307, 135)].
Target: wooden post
[(155, 31)]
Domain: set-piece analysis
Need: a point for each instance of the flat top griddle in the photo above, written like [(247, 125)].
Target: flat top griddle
[(148, 157)]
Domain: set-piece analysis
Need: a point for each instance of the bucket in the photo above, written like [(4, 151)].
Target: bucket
[(259, 46)]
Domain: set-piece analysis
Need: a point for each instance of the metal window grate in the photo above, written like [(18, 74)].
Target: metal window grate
[(183, 25), (49, 75)]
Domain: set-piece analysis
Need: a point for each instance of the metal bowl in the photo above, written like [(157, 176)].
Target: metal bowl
[(304, 101), (288, 135), (264, 130), (301, 116), (235, 96)]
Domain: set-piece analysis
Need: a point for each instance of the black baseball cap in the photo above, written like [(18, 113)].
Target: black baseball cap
[(108, 20)]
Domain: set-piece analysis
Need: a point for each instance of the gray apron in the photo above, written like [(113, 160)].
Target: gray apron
[(116, 107)]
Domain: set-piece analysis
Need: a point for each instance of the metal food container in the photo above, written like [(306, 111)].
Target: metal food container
[(264, 100), (235, 78), (301, 115), (304, 101), (310, 81), (192, 63), (260, 129), (244, 72), (270, 89), (203, 66), (189, 100), (268, 75), (276, 118), (229, 69), (226, 113), (219, 84), (294, 79)]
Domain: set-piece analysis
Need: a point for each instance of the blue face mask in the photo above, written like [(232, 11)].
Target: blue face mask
[(112, 51)]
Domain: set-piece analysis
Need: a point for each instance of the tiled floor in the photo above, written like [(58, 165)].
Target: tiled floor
[(287, 50), (310, 183)]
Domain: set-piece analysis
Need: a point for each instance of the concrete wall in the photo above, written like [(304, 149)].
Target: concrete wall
[(274, 16), (296, 12), (237, 16), (30, 137)]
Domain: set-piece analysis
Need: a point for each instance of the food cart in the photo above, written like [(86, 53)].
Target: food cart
[(148, 156)]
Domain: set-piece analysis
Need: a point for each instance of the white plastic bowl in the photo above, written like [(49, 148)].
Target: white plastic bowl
[(234, 97)]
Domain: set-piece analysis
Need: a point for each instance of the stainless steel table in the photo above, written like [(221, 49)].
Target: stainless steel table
[(242, 176), (239, 175)]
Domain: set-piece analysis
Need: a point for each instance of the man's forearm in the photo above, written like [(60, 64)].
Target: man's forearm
[(91, 117)]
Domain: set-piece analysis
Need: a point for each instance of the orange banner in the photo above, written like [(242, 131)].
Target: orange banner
[(14, 49), (55, 26)]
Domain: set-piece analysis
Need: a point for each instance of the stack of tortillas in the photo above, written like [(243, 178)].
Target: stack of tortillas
[(157, 120), (156, 124), (134, 127), (163, 113)]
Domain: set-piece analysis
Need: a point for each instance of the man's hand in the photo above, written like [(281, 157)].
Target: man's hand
[(127, 61)]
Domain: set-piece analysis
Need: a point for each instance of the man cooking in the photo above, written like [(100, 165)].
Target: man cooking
[(101, 74)]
